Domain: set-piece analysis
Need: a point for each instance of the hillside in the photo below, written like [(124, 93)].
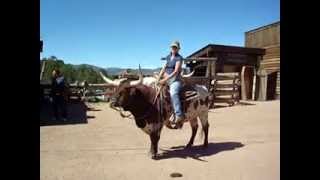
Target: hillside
[(86, 72), (72, 73), (117, 71)]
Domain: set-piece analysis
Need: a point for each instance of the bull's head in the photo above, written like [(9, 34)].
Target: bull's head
[(129, 98), (125, 91), (125, 97)]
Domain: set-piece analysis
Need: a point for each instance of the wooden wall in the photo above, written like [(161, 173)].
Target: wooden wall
[(268, 37), (278, 86), (262, 37), (271, 60)]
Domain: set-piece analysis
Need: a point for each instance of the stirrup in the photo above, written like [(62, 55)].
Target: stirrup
[(170, 125), (172, 118)]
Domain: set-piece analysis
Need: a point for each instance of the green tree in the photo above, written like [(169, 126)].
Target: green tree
[(71, 73)]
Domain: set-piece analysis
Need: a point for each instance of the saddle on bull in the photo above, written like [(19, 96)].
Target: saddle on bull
[(188, 96), (151, 107)]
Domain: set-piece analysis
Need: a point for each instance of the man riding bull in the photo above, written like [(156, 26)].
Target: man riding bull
[(172, 76)]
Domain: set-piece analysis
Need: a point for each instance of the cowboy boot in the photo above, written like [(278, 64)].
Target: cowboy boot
[(179, 122)]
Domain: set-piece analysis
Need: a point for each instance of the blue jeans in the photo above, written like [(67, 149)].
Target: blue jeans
[(175, 88)]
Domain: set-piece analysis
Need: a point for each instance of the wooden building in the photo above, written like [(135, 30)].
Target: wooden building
[(229, 59), (268, 38)]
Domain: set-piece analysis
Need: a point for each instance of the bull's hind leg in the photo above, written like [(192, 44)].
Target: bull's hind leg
[(194, 126), (205, 127)]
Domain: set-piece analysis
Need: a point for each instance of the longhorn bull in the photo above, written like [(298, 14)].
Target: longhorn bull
[(140, 100)]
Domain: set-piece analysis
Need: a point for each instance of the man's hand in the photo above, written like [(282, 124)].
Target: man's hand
[(162, 82)]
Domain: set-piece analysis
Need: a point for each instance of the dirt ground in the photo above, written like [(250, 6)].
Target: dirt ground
[(244, 144)]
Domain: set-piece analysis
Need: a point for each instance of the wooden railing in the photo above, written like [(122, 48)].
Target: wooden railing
[(81, 91), (226, 88)]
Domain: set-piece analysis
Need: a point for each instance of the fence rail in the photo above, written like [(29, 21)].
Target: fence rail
[(226, 88), (82, 91)]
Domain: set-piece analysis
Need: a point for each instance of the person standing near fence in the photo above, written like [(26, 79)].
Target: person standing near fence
[(58, 95)]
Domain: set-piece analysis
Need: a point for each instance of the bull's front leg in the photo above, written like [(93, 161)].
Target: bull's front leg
[(154, 137)]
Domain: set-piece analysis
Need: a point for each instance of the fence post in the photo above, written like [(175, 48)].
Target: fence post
[(263, 80)]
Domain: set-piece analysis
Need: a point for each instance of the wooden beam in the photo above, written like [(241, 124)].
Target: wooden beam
[(228, 74), (200, 59), (225, 92), (102, 85), (243, 87), (220, 78), (254, 84), (42, 69), (224, 85)]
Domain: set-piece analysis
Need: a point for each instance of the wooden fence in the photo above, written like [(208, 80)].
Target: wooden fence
[(82, 91), (226, 88)]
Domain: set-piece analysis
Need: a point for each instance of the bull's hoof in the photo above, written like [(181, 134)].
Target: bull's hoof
[(155, 157), (152, 155), (205, 145), (188, 146)]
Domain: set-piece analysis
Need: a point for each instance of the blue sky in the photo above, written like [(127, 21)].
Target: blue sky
[(124, 34)]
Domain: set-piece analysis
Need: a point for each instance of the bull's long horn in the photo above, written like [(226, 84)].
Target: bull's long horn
[(156, 75), (188, 75), (133, 83), (109, 81)]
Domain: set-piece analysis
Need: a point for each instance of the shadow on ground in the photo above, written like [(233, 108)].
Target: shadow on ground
[(92, 109), (77, 114), (237, 104), (244, 104), (220, 106), (196, 152)]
